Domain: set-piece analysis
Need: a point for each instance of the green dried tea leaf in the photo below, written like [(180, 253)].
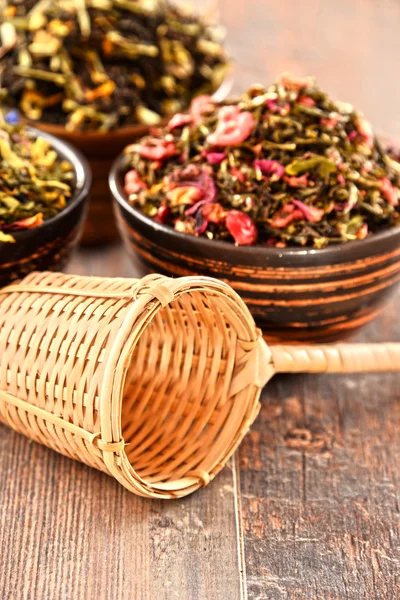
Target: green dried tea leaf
[(323, 165)]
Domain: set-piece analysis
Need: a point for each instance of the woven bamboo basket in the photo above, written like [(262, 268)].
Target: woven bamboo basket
[(154, 381)]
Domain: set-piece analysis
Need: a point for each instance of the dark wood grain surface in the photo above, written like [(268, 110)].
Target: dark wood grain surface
[(309, 506)]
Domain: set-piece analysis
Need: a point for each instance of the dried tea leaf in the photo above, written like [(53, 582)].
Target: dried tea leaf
[(324, 166)]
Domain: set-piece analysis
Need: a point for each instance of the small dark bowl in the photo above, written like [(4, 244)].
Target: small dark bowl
[(49, 246), (294, 294)]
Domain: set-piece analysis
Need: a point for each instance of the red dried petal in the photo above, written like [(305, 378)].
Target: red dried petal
[(307, 101), (311, 213), (162, 214), (352, 135), (133, 183), (28, 223), (179, 120), (341, 179), (272, 169), (331, 122), (154, 149), (199, 106), (233, 127), (389, 192), (198, 186), (280, 222), (363, 232), (235, 172), (274, 107), (288, 208), (296, 182), (241, 227), (214, 158)]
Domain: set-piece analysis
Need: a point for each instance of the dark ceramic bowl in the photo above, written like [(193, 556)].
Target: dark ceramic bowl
[(48, 246), (294, 294)]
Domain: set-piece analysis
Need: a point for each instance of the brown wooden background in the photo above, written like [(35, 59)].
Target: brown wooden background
[(309, 506)]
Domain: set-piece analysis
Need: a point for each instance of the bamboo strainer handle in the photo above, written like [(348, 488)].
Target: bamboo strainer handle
[(336, 358)]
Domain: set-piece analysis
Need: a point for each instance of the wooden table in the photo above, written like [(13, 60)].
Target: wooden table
[(309, 506)]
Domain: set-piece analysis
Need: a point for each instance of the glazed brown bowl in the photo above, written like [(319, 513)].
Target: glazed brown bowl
[(101, 149), (48, 247), (294, 294)]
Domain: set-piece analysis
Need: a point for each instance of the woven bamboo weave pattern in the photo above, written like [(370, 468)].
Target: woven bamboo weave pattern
[(152, 381)]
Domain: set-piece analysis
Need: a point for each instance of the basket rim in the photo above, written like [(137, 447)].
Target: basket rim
[(120, 359)]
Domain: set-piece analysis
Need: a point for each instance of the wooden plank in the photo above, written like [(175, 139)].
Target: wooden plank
[(320, 485), (68, 532), (317, 515)]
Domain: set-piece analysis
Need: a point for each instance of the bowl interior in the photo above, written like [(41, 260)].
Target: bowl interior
[(82, 178)]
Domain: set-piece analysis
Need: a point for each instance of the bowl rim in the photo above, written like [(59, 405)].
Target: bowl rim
[(332, 250), (83, 175)]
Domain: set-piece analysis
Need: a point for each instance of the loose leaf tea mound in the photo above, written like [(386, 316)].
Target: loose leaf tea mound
[(283, 166), (103, 64), (35, 184)]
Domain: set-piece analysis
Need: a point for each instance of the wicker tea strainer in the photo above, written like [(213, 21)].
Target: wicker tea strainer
[(154, 381)]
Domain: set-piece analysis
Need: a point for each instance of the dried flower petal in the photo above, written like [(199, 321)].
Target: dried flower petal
[(389, 192), (154, 149), (28, 223), (285, 216), (233, 127), (162, 214), (133, 183), (192, 178), (200, 106), (363, 232), (270, 168), (242, 228), (307, 101), (311, 213), (297, 182), (179, 120), (214, 158), (331, 122), (274, 107)]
